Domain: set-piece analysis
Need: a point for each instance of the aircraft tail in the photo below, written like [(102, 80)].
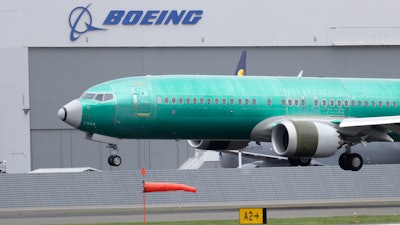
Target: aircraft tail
[(241, 67)]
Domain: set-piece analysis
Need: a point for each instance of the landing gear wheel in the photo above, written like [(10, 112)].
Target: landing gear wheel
[(114, 160), (352, 161), (299, 161), (342, 161), (355, 162)]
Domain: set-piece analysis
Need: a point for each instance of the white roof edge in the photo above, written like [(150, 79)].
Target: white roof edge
[(65, 170)]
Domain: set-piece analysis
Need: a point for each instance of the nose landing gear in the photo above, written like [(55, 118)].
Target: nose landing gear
[(114, 159)]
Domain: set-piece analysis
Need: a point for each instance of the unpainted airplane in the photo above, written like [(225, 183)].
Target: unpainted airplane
[(262, 155), (300, 116)]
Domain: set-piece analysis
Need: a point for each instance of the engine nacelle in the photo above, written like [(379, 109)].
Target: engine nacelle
[(217, 145), (304, 139)]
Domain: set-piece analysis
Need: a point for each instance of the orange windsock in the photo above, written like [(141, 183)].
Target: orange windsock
[(158, 187)]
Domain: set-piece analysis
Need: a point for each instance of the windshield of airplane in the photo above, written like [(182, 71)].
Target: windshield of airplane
[(100, 97)]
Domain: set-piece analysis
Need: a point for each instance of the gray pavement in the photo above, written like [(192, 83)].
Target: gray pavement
[(36, 216)]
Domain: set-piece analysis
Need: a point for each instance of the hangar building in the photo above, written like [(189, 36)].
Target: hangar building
[(51, 52)]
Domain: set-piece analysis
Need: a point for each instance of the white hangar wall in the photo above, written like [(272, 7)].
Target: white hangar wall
[(210, 23), (47, 48)]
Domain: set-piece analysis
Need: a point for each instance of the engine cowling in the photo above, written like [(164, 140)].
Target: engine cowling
[(304, 139), (217, 145)]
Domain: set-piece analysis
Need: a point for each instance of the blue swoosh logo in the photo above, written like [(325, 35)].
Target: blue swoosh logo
[(81, 23)]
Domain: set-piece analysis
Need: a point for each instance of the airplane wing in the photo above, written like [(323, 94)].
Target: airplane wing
[(322, 136), (370, 129)]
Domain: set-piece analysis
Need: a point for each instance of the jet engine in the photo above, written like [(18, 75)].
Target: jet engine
[(304, 139), (217, 145)]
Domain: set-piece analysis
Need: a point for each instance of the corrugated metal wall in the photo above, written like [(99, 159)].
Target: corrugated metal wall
[(58, 75), (214, 187)]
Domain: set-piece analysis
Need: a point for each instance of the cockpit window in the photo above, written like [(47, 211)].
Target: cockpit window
[(101, 97), (108, 97), (88, 95)]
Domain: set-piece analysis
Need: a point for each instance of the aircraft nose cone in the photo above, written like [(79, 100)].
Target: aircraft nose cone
[(62, 114), (71, 113)]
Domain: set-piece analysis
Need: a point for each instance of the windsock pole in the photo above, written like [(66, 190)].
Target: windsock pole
[(144, 197)]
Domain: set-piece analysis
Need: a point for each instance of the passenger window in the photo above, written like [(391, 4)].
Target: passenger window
[(159, 100), (231, 101), (380, 104), (166, 100), (269, 102), (180, 101), (195, 101), (173, 100), (187, 100), (366, 103), (224, 101), (324, 103), (353, 103), (296, 102), (387, 104), (246, 101), (332, 103), (303, 102), (339, 103), (254, 101), (315, 102), (283, 102), (346, 103), (240, 101), (216, 101), (209, 101), (202, 101), (373, 103), (359, 103), (99, 97), (290, 102), (394, 104)]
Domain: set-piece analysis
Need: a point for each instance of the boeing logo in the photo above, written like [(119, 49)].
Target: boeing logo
[(80, 19), (153, 17)]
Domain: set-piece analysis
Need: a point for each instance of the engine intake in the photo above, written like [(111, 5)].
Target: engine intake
[(304, 139), (217, 145)]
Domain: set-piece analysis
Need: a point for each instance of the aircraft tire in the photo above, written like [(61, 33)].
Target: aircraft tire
[(293, 161), (299, 161), (343, 161), (355, 162), (114, 160), (110, 160), (304, 161)]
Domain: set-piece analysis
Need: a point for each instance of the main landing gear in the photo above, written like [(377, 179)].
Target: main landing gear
[(302, 161), (114, 159), (350, 161)]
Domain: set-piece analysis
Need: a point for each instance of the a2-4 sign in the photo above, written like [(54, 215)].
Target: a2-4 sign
[(253, 216)]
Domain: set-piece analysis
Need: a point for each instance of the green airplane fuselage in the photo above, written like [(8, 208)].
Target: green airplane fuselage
[(227, 107)]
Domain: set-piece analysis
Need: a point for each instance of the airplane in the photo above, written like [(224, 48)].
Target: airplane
[(301, 116), (266, 159)]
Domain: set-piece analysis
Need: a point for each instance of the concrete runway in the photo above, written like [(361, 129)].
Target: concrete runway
[(127, 214)]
